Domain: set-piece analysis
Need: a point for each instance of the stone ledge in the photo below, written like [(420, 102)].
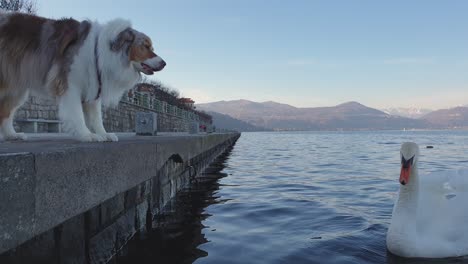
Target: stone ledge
[(48, 180)]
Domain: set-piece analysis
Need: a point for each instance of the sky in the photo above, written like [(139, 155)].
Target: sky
[(306, 53)]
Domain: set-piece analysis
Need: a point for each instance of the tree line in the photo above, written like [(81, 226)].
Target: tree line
[(25, 6)]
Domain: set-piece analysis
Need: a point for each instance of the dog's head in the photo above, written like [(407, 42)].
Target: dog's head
[(139, 49)]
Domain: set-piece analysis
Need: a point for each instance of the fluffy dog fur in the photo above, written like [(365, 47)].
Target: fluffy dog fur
[(83, 64)]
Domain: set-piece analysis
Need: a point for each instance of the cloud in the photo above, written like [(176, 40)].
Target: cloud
[(410, 61)]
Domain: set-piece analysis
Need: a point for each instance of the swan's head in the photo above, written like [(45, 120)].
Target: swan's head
[(409, 156)]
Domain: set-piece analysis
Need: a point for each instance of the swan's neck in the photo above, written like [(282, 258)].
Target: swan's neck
[(408, 197), (402, 231)]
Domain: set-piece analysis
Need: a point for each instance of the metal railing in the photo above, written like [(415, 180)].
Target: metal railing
[(151, 103)]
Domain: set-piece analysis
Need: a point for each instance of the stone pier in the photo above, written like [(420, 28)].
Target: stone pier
[(63, 201)]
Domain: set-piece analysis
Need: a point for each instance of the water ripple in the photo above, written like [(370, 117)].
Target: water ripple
[(315, 197)]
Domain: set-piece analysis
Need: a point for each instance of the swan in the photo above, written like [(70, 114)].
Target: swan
[(430, 215)]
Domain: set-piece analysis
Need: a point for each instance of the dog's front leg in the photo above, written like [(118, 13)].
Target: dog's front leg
[(93, 117), (71, 113), (8, 106)]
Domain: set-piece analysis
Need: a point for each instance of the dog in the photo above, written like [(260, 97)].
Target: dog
[(84, 65)]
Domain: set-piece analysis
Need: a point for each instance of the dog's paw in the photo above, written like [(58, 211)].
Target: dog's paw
[(15, 137), (91, 137), (110, 137)]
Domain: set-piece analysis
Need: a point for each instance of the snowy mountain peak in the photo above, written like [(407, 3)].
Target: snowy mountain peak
[(411, 112)]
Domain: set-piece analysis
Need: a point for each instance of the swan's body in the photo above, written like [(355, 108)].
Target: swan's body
[(430, 216)]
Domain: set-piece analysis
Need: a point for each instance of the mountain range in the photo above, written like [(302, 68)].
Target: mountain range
[(229, 123), (347, 116), (453, 117), (411, 112)]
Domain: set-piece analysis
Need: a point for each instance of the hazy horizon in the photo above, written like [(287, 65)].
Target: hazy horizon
[(331, 105), (302, 53)]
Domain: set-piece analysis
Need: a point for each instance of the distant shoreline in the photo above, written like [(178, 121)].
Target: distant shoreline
[(362, 130)]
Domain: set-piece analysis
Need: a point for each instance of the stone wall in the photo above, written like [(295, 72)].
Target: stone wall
[(119, 119), (122, 119), (38, 108), (82, 202)]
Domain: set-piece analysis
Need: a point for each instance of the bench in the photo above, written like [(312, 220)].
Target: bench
[(31, 125)]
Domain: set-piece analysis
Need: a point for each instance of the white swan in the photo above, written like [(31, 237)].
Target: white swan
[(430, 216)]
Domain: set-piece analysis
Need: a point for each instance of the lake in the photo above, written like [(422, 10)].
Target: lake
[(297, 197)]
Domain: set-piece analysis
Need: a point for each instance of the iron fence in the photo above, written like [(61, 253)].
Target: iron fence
[(146, 101)]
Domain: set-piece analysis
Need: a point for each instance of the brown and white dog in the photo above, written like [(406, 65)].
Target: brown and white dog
[(83, 64)]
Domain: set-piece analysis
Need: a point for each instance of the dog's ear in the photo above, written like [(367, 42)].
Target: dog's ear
[(126, 36)]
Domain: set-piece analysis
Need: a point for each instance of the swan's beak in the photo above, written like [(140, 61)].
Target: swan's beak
[(405, 174), (406, 165)]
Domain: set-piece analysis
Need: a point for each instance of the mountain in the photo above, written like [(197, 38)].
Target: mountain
[(222, 121), (347, 116), (242, 109), (412, 112), (456, 117)]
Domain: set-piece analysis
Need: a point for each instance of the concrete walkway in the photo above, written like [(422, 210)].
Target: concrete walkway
[(54, 141)]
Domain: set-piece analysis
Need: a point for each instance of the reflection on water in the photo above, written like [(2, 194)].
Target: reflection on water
[(303, 197), (177, 233)]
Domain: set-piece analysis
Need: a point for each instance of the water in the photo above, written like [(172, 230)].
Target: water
[(298, 197)]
